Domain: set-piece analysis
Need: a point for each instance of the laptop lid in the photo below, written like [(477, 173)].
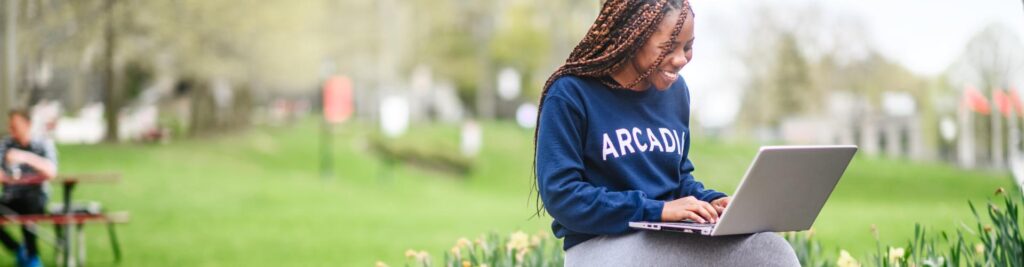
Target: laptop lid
[(784, 189)]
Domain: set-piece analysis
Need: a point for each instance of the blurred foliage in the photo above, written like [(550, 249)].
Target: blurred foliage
[(424, 154), (287, 47), (136, 76), (800, 60)]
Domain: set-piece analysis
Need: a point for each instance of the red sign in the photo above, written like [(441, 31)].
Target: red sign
[(337, 99)]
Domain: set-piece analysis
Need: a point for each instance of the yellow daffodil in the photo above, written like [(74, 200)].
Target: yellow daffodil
[(463, 243), (521, 254), (457, 252), (422, 256), (518, 241), (846, 260), (535, 241)]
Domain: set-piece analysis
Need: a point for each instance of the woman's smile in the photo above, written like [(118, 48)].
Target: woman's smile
[(670, 76)]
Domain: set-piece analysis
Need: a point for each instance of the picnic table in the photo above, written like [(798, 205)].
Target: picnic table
[(69, 220)]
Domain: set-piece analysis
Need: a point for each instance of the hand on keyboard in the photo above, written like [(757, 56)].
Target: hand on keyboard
[(689, 208)]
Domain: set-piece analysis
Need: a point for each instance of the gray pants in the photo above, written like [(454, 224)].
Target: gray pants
[(651, 248)]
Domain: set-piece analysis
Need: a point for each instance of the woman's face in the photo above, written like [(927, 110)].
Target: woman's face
[(668, 72)]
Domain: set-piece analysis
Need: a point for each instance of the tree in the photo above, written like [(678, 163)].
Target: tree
[(785, 89)]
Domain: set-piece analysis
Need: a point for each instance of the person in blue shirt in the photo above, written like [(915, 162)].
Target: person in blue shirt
[(613, 146)]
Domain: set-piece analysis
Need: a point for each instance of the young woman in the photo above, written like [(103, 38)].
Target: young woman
[(612, 146)]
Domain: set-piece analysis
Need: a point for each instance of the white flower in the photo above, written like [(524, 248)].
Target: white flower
[(380, 264), (936, 262), (845, 260), (895, 254), (979, 248)]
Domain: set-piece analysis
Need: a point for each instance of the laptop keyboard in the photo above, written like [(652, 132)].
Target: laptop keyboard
[(693, 224)]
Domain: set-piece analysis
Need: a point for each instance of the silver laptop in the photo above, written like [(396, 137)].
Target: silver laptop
[(783, 190)]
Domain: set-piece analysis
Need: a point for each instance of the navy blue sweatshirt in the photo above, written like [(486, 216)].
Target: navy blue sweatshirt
[(606, 157)]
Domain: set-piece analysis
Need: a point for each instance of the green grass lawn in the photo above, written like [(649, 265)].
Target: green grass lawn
[(256, 198)]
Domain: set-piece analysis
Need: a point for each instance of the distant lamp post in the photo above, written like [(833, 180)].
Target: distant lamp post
[(337, 108), (337, 99)]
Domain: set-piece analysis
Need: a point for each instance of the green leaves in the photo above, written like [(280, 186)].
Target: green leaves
[(994, 240)]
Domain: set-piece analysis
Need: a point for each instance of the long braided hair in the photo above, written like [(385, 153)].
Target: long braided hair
[(622, 28)]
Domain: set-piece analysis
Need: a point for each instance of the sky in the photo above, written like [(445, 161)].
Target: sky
[(926, 36)]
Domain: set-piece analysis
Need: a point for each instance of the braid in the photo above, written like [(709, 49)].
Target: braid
[(621, 28)]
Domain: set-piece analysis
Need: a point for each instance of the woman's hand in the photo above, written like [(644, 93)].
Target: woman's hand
[(689, 208), (721, 203)]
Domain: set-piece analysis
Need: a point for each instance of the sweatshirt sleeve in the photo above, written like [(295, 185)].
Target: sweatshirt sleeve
[(567, 195), (691, 187)]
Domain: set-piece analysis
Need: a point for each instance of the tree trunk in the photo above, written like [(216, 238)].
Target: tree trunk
[(482, 33), (11, 56), (112, 91), (203, 109), (241, 114)]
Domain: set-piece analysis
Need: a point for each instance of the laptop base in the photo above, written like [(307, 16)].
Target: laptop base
[(681, 227)]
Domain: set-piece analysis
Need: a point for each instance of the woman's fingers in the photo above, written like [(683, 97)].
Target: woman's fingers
[(703, 212), (693, 216), (720, 204), (691, 208), (711, 211)]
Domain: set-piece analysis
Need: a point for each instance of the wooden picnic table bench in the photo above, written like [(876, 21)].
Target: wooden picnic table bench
[(69, 220), (72, 225)]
